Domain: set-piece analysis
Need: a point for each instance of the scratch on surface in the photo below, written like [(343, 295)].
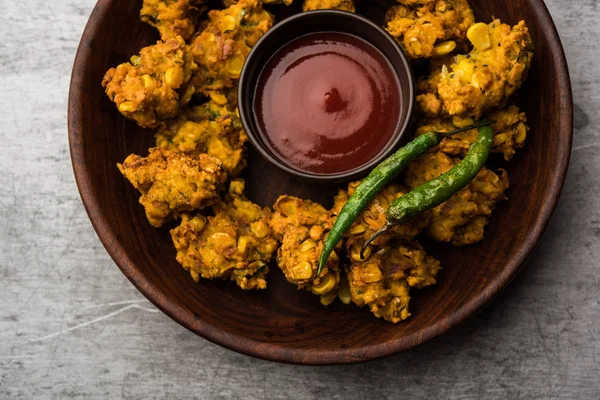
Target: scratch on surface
[(585, 146), (95, 320), (118, 303)]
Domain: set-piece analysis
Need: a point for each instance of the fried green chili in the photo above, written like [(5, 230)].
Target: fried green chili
[(376, 180), (438, 190)]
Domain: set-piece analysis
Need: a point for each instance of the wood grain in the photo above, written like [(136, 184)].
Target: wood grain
[(281, 324)]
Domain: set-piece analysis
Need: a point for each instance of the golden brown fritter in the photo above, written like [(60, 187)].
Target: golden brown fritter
[(151, 87), (430, 28), (344, 5), (382, 281), (235, 244), (462, 219), (172, 183), (301, 226), (222, 47), (415, 3), (210, 128), (373, 218), (483, 79), (172, 17), (510, 132)]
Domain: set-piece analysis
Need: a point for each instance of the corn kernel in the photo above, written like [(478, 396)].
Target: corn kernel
[(234, 65), (174, 77), (242, 245), (355, 253), (301, 271), (358, 229), (146, 80), (416, 46), (444, 48), (218, 98), (325, 285), (227, 24), (372, 274), (344, 291), (198, 223), (259, 229), (479, 35), (126, 106), (462, 122), (307, 245)]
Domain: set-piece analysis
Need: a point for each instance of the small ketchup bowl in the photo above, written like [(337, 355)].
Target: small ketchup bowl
[(326, 95)]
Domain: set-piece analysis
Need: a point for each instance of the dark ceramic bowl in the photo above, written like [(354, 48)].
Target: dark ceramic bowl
[(282, 323), (313, 22)]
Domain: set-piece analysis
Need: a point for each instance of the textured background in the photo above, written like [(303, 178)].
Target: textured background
[(72, 325)]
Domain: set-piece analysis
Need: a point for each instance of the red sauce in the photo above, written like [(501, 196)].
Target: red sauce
[(327, 102)]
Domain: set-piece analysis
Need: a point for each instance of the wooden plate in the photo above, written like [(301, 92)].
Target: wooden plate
[(282, 323)]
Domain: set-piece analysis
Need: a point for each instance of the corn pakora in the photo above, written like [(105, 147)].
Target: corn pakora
[(430, 28), (483, 79), (151, 87), (460, 220), (510, 132), (344, 5), (172, 18), (383, 280), (301, 226), (373, 218), (222, 47), (173, 183), (234, 244), (210, 128)]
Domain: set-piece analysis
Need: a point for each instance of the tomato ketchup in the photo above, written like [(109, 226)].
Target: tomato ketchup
[(327, 102)]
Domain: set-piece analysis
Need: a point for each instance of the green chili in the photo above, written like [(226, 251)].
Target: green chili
[(440, 189), (376, 180)]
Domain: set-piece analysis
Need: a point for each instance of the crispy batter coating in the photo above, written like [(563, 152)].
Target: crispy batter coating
[(483, 79), (429, 28), (172, 17), (510, 132), (235, 244), (373, 218), (210, 128), (383, 280), (462, 219), (301, 226), (151, 87), (222, 47), (344, 5), (173, 183)]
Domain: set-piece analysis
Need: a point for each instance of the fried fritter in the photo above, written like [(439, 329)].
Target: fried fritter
[(222, 47), (383, 280), (462, 218), (172, 183), (235, 244), (483, 79), (210, 128), (344, 5), (415, 3), (430, 28), (301, 226), (172, 17), (510, 132), (151, 87), (373, 218)]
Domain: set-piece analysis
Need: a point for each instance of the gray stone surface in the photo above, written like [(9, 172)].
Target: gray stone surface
[(71, 325)]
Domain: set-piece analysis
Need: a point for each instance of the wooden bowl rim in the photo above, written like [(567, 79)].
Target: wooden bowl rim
[(278, 353)]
